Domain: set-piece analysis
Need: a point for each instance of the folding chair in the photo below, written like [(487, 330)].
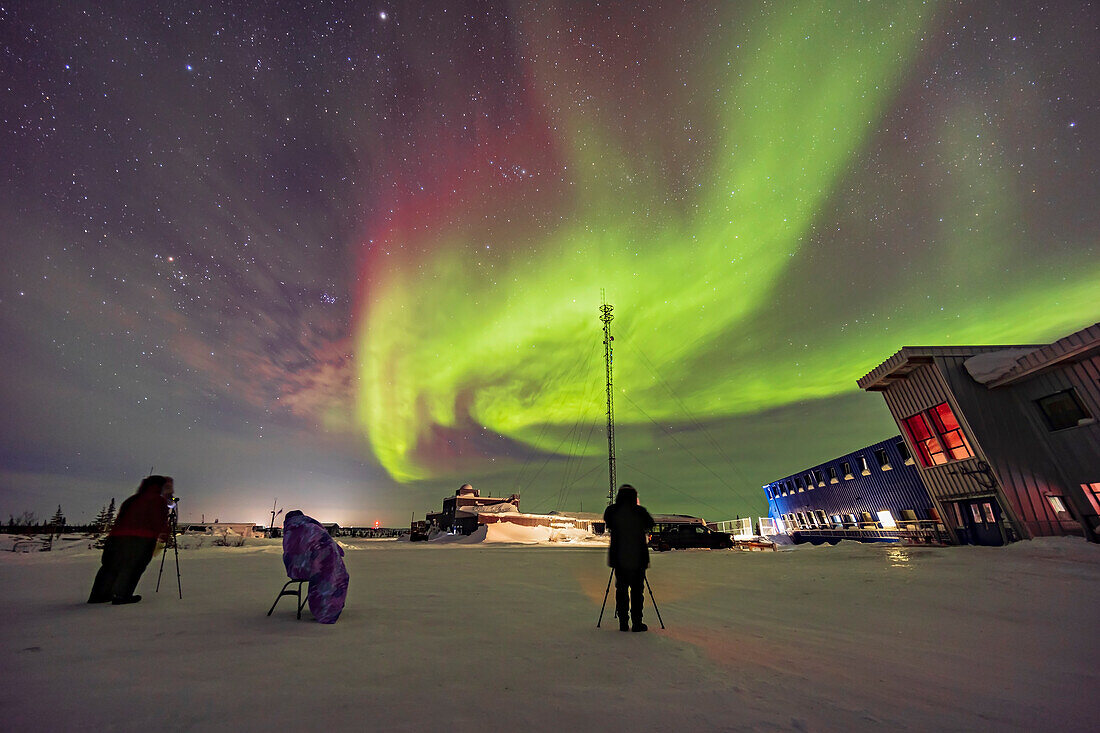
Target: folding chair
[(297, 593)]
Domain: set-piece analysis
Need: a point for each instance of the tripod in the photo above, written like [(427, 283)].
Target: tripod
[(608, 590), (173, 517)]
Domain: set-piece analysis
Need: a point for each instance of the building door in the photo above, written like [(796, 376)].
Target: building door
[(982, 520)]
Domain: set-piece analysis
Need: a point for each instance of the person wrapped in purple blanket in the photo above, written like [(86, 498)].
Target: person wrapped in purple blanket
[(309, 553)]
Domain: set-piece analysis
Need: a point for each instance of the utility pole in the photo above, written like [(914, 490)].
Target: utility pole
[(606, 318), (271, 527)]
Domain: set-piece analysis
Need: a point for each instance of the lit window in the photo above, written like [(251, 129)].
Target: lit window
[(883, 461), (937, 435), (798, 483), (928, 445), (988, 509), (864, 469), (908, 515), (819, 477), (887, 519), (976, 513), (903, 451), (809, 481), (1056, 503), (1062, 410), (846, 469), (832, 475), (821, 518), (1092, 491), (950, 432)]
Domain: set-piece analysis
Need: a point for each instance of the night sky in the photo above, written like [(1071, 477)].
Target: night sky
[(350, 255)]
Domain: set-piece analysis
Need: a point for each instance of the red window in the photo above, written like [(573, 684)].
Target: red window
[(937, 435), (950, 432), (927, 444)]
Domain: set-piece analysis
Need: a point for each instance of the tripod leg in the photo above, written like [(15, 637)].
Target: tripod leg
[(161, 568), (179, 582), (606, 591), (654, 602)]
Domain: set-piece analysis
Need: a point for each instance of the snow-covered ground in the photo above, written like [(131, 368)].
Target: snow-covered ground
[(502, 637)]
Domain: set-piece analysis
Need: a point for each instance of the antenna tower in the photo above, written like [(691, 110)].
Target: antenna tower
[(606, 318)]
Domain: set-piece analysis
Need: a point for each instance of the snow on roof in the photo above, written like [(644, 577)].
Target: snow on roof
[(985, 368), (502, 508), (1077, 345)]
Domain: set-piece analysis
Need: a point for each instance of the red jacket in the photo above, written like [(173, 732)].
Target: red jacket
[(144, 514)]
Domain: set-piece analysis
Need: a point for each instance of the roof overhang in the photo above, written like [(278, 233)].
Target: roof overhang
[(894, 369), (1077, 346)]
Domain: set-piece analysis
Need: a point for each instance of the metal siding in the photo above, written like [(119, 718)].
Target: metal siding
[(1006, 429), (896, 489), (923, 389), (1018, 444)]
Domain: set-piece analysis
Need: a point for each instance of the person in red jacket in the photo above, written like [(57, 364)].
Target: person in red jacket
[(142, 520)]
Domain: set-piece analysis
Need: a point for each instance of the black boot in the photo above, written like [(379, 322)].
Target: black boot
[(639, 626)]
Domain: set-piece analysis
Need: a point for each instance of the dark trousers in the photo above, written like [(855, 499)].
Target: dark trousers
[(124, 560), (629, 585)]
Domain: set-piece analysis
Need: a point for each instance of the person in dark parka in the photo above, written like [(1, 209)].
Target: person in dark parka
[(142, 520), (628, 523)]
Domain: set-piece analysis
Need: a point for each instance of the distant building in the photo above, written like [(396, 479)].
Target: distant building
[(874, 494), (220, 529), (467, 509), (456, 521), (1006, 437)]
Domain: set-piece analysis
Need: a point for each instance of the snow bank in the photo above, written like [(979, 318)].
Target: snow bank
[(847, 638)]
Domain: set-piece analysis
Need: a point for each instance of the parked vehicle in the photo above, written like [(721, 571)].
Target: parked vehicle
[(680, 536)]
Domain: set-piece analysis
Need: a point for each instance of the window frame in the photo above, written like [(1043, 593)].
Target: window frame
[(937, 441), (1074, 399), (951, 438)]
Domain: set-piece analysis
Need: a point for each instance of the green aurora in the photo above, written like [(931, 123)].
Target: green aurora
[(764, 237)]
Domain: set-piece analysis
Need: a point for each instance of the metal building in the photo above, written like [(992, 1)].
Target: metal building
[(1006, 437), (874, 494)]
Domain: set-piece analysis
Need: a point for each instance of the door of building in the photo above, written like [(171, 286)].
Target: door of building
[(982, 520)]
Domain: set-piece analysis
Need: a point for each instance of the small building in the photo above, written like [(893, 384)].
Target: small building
[(874, 494), (455, 520), (221, 529), (1006, 437), (507, 513)]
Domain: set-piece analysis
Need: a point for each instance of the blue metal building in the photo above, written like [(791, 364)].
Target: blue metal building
[(874, 494)]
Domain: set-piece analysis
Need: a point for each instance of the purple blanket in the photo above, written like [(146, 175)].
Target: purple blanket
[(309, 553)]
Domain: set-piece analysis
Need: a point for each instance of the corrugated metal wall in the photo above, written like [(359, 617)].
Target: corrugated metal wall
[(1030, 460), (1005, 429), (896, 489)]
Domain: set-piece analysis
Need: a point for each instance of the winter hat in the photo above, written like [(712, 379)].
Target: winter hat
[(627, 495)]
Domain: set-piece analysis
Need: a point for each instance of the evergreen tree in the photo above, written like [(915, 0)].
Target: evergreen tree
[(103, 523), (57, 521), (99, 521)]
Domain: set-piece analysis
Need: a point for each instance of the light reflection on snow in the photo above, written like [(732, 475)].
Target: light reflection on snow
[(899, 558)]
